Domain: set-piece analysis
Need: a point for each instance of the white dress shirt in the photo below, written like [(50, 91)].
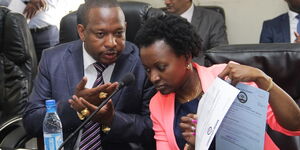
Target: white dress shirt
[(188, 14), (293, 25), (56, 9), (50, 16)]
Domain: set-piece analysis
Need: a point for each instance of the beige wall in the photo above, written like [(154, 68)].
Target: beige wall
[(244, 18)]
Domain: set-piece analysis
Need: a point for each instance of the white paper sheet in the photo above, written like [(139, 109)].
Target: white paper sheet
[(212, 108)]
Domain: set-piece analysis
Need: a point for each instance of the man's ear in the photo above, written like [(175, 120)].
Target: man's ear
[(80, 30)]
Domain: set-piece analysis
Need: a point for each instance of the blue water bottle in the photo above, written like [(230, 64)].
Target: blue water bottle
[(52, 127)]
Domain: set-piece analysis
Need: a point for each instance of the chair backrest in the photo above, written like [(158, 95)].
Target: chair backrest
[(135, 14), (18, 63), (68, 28), (280, 61)]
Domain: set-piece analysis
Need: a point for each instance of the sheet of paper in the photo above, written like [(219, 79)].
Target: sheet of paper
[(212, 108), (17, 6), (244, 125)]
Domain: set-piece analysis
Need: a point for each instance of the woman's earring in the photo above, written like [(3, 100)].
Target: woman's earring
[(189, 66)]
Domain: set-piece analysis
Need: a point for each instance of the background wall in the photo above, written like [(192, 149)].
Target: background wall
[(244, 18)]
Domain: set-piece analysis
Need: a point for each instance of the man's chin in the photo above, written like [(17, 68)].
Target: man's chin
[(164, 92), (107, 62), (170, 10)]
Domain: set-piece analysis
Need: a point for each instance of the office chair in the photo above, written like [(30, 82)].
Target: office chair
[(18, 67)]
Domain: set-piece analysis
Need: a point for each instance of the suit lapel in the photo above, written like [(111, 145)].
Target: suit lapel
[(196, 18), (124, 65), (285, 26), (74, 65), (169, 106)]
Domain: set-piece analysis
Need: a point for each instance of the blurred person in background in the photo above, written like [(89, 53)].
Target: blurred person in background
[(284, 28), (209, 24), (44, 17)]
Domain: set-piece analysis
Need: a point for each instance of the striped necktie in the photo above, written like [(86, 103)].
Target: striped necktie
[(90, 138)]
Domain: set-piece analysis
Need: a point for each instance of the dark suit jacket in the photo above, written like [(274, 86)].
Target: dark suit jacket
[(210, 25), (61, 68), (276, 30)]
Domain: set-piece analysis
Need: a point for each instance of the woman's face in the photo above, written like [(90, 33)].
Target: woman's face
[(165, 69)]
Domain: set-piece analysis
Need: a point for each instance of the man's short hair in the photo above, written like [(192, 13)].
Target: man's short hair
[(83, 11)]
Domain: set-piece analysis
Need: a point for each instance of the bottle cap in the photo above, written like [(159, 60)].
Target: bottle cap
[(50, 102)]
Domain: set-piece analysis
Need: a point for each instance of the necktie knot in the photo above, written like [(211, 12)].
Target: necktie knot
[(99, 67)]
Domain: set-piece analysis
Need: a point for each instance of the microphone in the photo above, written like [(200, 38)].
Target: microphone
[(126, 80)]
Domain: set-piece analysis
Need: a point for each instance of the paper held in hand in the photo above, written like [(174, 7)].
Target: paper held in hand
[(239, 112), (212, 108), (244, 124)]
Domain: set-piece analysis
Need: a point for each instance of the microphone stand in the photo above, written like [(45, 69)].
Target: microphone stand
[(88, 118)]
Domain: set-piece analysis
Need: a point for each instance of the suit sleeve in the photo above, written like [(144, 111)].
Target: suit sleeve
[(35, 107), (266, 34), (218, 34), (45, 88)]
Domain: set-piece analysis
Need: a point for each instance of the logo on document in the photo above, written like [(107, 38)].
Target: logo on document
[(242, 97)]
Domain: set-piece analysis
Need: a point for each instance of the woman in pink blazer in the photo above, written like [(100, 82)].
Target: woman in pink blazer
[(167, 46)]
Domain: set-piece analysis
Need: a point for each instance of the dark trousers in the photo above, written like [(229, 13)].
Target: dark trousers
[(44, 38)]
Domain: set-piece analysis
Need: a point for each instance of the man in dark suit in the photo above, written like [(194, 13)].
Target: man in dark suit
[(282, 29), (209, 24), (61, 74)]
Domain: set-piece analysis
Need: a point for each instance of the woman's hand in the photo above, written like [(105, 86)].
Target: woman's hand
[(188, 125), (242, 73)]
